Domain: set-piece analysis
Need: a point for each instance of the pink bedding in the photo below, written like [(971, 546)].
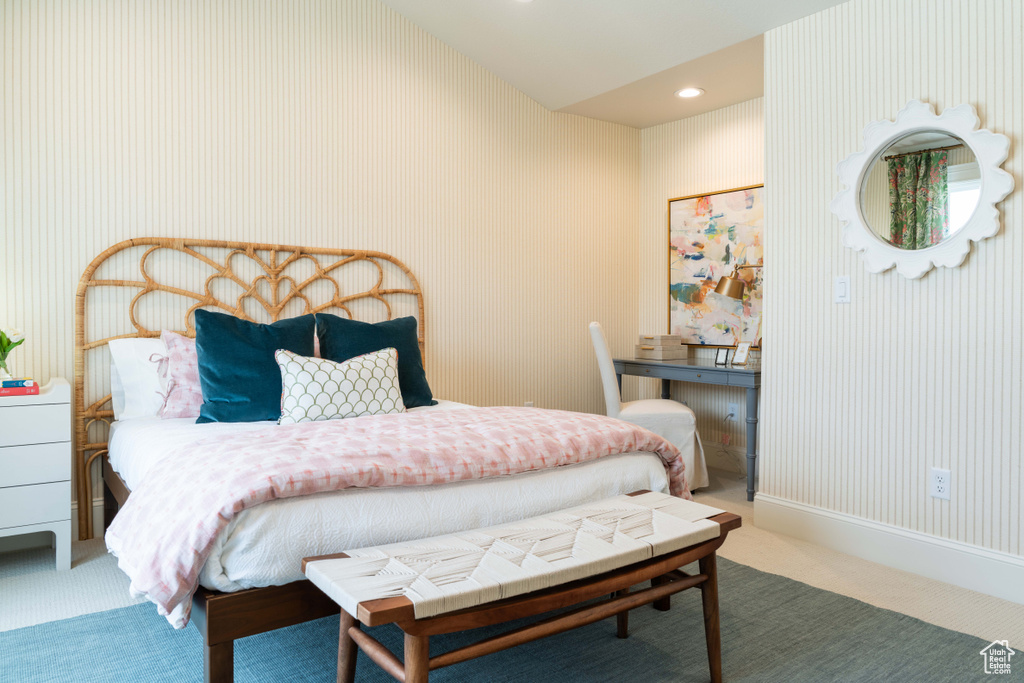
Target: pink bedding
[(164, 533)]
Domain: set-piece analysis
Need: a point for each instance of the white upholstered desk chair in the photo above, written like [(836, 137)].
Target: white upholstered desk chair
[(671, 420)]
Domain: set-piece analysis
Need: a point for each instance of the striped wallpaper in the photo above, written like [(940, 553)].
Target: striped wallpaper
[(860, 400), (720, 150), (327, 123)]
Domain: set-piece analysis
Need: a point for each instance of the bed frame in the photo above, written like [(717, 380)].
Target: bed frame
[(271, 281)]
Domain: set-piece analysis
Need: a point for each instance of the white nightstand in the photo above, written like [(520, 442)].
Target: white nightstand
[(35, 465)]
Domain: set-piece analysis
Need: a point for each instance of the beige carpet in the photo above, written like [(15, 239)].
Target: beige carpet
[(932, 601), (32, 591)]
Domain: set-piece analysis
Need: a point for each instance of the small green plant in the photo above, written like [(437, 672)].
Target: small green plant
[(9, 340)]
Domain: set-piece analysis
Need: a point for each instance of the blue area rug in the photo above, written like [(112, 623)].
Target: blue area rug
[(773, 629)]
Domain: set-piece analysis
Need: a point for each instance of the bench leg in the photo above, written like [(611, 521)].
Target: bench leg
[(712, 629), (347, 649), (663, 604), (219, 662), (622, 619), (417, 658)]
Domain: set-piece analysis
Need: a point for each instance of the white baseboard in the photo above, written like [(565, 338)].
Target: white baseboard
[(968, 566), (44, 539), (97, 519)]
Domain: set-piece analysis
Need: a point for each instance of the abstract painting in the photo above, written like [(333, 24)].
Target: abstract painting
[(708, 235)]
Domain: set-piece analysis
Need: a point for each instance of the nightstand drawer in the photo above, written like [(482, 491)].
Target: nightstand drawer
[(48, 423), (37, 464), (22, 505)]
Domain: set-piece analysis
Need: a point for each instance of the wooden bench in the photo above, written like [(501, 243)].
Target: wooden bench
[(662, 570)]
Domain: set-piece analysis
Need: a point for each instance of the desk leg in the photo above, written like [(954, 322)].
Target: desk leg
[(618, 376), (666, 386), (751, 440)]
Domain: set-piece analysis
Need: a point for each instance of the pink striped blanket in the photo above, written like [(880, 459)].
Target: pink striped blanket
[(165, 532)]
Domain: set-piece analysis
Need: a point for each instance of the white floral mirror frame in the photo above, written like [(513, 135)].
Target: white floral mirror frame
[(990, 149)]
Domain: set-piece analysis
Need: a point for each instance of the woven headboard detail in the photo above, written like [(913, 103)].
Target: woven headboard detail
[(138, 287)]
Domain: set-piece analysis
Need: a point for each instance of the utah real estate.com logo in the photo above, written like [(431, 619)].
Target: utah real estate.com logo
[(997, 657)]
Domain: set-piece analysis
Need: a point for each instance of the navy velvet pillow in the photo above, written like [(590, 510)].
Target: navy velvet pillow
[(237, 371), (341, 339)]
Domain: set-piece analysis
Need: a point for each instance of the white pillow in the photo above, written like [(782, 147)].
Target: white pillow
[(314, 389), (116, 391), (140, 364)]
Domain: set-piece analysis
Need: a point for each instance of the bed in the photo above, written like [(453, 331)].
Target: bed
[(252, 582)]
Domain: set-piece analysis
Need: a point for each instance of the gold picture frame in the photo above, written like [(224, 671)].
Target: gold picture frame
[(700, 317), (739, 357)]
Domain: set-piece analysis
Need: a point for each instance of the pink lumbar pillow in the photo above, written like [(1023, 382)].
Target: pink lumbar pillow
[(184, 393)]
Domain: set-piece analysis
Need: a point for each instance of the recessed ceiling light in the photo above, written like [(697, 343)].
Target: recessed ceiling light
[(689, 92)]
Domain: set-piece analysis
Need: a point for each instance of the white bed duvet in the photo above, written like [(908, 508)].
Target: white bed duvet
[(263, 545)]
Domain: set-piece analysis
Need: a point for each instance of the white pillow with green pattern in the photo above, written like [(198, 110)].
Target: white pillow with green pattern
[(314, 389)]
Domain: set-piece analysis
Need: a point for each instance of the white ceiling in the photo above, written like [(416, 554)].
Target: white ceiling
[(730, 75), (617, 60)]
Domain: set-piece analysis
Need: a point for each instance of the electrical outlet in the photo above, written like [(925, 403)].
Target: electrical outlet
[(528, 404), (734, 411), (939, 483)]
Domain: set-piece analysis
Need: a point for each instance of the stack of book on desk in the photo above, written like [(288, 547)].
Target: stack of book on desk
[(662, 347), (20, 386)]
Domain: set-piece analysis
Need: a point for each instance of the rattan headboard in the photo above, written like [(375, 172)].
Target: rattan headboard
[(269, 281)]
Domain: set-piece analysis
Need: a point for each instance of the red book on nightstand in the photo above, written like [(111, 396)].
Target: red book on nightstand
[(20, 391)]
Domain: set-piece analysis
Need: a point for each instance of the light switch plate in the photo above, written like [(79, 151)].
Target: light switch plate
[(842, 289)]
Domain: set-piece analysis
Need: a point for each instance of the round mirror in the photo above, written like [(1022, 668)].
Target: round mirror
[(921, 189)]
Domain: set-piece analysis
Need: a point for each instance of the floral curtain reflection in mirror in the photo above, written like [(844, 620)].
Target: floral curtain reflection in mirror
[(921, 190), (918, 199)]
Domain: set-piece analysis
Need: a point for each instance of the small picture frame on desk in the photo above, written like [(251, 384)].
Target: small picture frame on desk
[(742, 352), (722, 356)]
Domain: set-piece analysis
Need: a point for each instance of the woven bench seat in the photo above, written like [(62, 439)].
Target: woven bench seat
[(496, 574)]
